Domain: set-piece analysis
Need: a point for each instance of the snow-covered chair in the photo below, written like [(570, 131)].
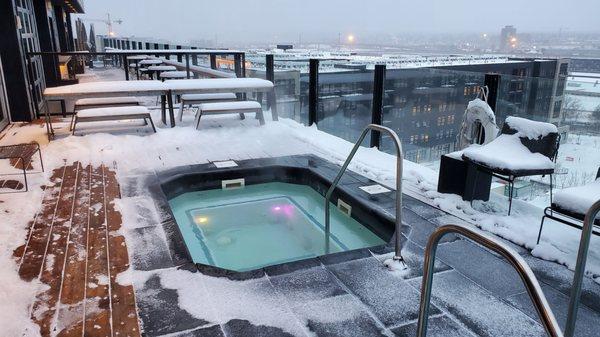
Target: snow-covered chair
[(524, 148), (571, 204)]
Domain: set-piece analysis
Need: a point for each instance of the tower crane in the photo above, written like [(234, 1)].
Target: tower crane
[(108, 22)]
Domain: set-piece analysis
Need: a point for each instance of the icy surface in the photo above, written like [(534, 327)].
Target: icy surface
[(530, 129)]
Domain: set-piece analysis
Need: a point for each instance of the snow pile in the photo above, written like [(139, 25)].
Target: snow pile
[(578, 199), (530, 129), (507, 152)]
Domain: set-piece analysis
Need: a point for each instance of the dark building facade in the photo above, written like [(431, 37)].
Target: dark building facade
[(32, 26)]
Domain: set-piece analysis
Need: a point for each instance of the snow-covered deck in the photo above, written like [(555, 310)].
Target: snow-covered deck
[(475, 292)]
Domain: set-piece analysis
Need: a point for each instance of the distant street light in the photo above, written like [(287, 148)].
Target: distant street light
[(350, 38)]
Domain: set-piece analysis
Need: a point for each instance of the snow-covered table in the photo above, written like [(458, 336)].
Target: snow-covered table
[(165, 89)]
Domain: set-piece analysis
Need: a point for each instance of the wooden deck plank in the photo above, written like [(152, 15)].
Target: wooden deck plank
[(97, 303), (125, 320), (33, 255), (70, 312), (51, 274)]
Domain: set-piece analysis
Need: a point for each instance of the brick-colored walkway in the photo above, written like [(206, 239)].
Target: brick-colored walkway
[(74, 248)]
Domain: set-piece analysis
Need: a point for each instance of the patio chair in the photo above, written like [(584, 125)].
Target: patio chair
[(23, 153), (524, 148), (571, 204)]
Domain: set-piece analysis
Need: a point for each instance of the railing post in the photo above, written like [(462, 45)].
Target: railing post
[(125, 66), (492, 81), (269, 74), (187, 65), (179, 58), (213, 61), (377, 106), (313, 91), (195, 57), (237, 64)]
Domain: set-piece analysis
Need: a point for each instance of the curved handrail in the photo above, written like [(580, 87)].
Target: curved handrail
[(584, 245), (399, 162), (518, 263)]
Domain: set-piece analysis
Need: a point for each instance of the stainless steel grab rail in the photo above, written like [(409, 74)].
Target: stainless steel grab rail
[(399, 159), (584, 245), (530, 281)]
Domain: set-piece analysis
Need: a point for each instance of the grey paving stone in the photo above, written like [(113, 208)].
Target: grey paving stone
[(560, 278), (159, 310), (339, 316), (243, 328), (437, 326), (414, 257), (307, 285), (150, 250), (426, 211), (482, 267), (389, 296), (588, 321), (210, 331), (420, 228), (478, 309)]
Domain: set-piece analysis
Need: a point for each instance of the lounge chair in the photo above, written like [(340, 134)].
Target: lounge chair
[(571, 204), (23, 153), (524, 148)]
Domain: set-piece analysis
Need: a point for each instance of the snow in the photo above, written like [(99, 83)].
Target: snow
[(161, 68), (507, 152), (151, 61), (111, 87), (106, 100), (206, 97), (530, 129), (113, 111), (173, 74), (229, 106), (238, 140), (483, 106), (578, 199)]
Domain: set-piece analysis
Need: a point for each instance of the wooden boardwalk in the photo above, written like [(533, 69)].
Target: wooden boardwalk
[(74, 248)]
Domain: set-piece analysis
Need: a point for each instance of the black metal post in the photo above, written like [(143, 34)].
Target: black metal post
[(244, 65), (270, 75), (167, 55), (237, 65), (377, 106), (187, 65), (313, 91), (195, 57), (492, 81), (125, 66), (179, 57), (213, 61), (147, 45)]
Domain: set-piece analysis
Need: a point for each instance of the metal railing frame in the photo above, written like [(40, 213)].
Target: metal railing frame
[(584, 245), (399, 166), (516, 261)]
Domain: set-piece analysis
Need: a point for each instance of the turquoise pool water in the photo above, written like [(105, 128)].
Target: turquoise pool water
[(261, 225)]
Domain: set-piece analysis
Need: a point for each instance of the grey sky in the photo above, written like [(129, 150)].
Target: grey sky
[(320, 20)]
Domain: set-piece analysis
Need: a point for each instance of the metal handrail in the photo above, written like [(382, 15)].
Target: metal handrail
[(399, 160), (530, 281), (584, 245)]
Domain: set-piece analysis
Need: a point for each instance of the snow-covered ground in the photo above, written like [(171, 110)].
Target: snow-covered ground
[(226, 137)]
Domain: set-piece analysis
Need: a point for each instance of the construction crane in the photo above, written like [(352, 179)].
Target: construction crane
[(108, 22)]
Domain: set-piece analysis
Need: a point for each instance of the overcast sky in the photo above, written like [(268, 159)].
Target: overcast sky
[(322, 20)]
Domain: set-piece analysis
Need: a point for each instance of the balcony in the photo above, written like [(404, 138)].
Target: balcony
[(102, 231)]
